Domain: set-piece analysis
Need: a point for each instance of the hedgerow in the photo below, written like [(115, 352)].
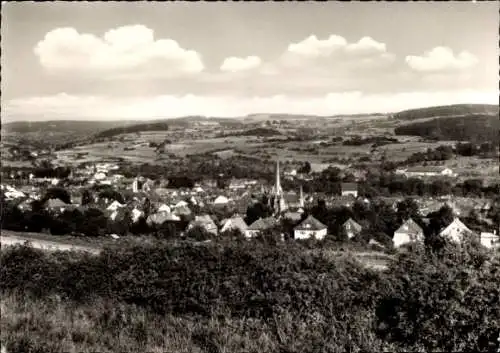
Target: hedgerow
[(431, 300)]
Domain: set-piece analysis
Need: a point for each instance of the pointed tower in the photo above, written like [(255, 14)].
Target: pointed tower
[(301, 200), (278, 190), (279, 200)]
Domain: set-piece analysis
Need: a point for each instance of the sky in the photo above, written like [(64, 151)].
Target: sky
[(150, 60)]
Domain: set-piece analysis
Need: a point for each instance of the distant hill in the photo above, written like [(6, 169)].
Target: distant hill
[(472, 127), (260, 132), (447, 110), (160, 126), (61, 126)]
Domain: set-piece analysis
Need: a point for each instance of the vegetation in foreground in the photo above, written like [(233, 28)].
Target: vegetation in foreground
[(248, 298)]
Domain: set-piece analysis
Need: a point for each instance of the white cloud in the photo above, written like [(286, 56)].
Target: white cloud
[(129, 50), (441, 59), (314, 47), (333, 55), (64, 106), (234, 64)]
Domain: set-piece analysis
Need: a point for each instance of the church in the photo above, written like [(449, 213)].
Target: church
[(281, 202)]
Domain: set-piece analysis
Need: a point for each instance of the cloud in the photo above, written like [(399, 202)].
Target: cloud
[(234, 64), (64, 106), (335, 53), (121, 52), (441, 59)]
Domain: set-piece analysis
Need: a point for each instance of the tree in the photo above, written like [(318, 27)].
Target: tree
[(442, 302), (406, 209), (306, 168), (86, 197), (57, 193)]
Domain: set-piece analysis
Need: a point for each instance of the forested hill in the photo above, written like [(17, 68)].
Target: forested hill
[(160, 126), (448, 110), (474, 128)]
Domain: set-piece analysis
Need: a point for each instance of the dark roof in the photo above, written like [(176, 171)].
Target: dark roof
[(263, 223), (311, 223), (410, 226), (353, 225)]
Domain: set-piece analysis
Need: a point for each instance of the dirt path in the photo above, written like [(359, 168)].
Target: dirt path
[(45, 244)]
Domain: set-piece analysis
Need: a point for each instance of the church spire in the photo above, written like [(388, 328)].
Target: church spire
[(278, 190), (301, 200)]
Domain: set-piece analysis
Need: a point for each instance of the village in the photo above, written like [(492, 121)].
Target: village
[(248, 206)]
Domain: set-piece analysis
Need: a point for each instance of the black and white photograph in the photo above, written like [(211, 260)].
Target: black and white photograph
[(250, 177)]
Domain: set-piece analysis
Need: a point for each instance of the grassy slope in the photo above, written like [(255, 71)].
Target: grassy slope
[(50, 325)]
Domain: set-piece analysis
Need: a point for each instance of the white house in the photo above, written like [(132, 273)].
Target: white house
[(352, 228), (221, 200), (310, 228), (259, 225), (427, 171), (490, 240), (114, 206), (455, 231), (205, 222), (235, 222), (349, 189), (409, 232), (164, 208)]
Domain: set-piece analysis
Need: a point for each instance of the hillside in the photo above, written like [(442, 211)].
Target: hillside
[(448, 110), (161, 126), (63, 126), (475, 128)]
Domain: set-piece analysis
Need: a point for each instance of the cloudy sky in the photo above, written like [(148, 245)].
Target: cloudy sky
[(100, 60)]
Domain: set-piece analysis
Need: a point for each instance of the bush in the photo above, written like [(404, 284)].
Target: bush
[(446, 300)]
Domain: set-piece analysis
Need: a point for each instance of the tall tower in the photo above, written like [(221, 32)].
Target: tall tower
[(301, 200), (277, 188), (279, 201)]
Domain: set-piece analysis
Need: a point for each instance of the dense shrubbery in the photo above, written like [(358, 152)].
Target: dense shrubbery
[(436, 301)]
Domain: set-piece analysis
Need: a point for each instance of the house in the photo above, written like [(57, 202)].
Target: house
[(293, 216), (352, 228), (164, 208), (426, 171), (455, 231), (490, 240), (409, 232), (204, 222), (181, 203), (235, 222), (114, 206), (56, 205), (349, 189), (162, 217), (259, 225), (310, 228), (221, 200), (136, 215)]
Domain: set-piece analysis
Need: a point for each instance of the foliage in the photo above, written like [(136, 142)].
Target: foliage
[(160, 126), (463, 128), (447, 110), (446, 301), (305, 301)]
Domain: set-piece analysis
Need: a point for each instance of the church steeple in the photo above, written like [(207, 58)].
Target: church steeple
[(279, 201), (301, 200), (278, 190)]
